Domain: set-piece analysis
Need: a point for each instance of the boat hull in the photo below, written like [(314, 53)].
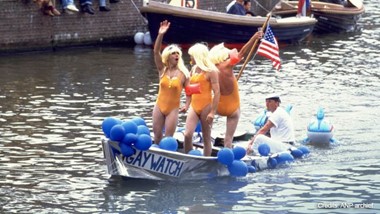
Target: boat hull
[(189, 26), (332, 18), (159, 164)]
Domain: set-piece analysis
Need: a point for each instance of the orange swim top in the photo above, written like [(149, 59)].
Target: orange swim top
[(169, 94), (204, 98), (228, 104)]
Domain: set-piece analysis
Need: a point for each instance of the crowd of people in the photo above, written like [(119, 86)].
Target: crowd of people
[(68, 6)]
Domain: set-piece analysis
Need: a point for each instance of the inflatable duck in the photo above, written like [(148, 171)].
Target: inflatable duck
[(319, 130)]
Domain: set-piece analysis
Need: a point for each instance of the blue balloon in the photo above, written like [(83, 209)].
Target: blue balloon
[(129, 139), (117, 133), (126, 150), (195, 152), (264, 149), (304, 150), (141, 129), (251, 169), (226, 156), (139, 121), (107, 125), (238, 168), (169, 143), (272, 163), (284, 157), (239, 152), (296, 153), (144, 142), (130, 127)]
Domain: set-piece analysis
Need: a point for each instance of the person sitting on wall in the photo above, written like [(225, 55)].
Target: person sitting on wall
[(69, 6), (86, 7), (237, 8), (47, 7)]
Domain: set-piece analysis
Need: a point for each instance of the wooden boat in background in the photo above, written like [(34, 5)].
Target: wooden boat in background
[(189, 26), (332, 18)]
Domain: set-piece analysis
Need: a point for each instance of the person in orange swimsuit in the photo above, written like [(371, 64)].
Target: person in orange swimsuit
[(204, 103), (229, 102), (174, 76)]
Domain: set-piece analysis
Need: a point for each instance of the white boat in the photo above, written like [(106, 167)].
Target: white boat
[(159, 164)]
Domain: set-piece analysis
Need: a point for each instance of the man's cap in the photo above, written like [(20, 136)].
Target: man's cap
[(273, 97)]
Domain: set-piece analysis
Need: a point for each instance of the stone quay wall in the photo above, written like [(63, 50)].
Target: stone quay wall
[(23, 27)]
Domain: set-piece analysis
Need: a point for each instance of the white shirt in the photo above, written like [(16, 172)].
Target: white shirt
[(283, 129)]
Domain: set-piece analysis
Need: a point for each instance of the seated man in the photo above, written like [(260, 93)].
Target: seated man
[(280, 126), (247, 7), (237, 8)]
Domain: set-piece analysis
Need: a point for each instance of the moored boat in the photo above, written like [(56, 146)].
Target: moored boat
[(189, 25), (332, 18)]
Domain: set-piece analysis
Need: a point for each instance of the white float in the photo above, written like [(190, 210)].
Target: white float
[(139, 38)]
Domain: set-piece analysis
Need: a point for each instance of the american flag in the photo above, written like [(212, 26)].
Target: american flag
[(303, 7), (269, 48)]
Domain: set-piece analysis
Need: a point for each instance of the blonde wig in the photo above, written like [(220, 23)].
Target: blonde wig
[(200, 54), (219, 53), (165, 59)]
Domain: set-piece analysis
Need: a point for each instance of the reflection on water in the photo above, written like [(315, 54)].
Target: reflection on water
[(52, 105)]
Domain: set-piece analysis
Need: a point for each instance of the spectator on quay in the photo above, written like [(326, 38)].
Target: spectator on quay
[(103, 7), (47, 7), (86, 6), (69, 6)]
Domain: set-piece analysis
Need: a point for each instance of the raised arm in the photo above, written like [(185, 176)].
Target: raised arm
[(164, 26), (247, 47)]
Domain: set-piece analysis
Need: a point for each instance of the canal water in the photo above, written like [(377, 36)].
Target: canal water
[(52, 106)]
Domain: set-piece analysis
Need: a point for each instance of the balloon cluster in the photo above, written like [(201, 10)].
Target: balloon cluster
[(130, 134), (232, 159), (282, 157)]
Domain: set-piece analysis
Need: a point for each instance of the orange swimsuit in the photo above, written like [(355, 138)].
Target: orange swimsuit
[(228, 104), (169, 94), (204, 98)]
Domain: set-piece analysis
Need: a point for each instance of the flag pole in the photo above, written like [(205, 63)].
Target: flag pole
[(253, 48)]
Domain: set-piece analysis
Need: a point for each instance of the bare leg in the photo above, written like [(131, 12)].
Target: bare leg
[(171, 123), (206, 131), (232, 122), (191, 122), (158, 124)]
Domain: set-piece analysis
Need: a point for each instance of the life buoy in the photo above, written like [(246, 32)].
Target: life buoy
[(185, 3)]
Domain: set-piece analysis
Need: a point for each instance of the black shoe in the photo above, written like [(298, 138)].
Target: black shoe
[(104, 9), (87, 9), (114, 1)]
